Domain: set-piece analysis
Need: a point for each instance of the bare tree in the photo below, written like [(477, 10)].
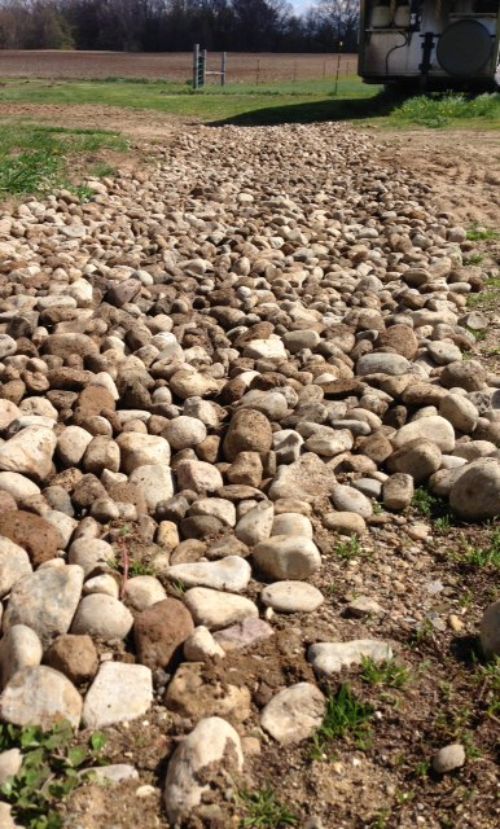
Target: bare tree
[(341, 17)]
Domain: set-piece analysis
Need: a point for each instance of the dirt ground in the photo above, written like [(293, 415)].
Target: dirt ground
[(173, 66)]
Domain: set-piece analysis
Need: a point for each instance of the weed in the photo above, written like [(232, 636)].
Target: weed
[(443, 525), (483, 556), (350, 549), (380, 819), (424, 502), (422, 769), (178, 587), (488, 678), (387, 673), (264, 811), (140, 568), (438, 110), (482, 234), (345, 716), (50, 771)]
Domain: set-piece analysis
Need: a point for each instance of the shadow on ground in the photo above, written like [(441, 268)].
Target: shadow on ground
[(331, 109)]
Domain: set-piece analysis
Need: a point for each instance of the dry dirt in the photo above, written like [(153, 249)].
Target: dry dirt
[(173, 66)]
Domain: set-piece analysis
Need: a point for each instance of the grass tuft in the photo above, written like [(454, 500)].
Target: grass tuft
[(265, 811), (345, 716), (437, 110), (388, 673)]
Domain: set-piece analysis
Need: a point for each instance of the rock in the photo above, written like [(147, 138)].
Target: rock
[(184, 431), (475, 492), (14, 565), (379, 362), (245, 634), (231, 573), (102, 616), (490, 630), (400, 338), (40, 696), (364, 606), (35, 535), (46, 601), (201, 646), (256, 524), (292, 523), (246, 469), (419, 458), (434, 429), (286, 557), (198, 476), (330, 442), (142, 450), (119, 693), (443, 353), (6, 819), (185, 384), (345, 523), (398, 491), (29, 452), (20, 648), (20, 487), (460, 412), (91, 554), (206, 759), (292, 597), (287, 444), (72, 444), (249, 431), (469, 375), (195, 696), (219, 508), (216, 609), (270, 349), (73, 656), (112, 775), (348, 499), (160, 631), (143, 591), (449, 758), (294, 714), (307, 479), (8, 413), (10, 765), (330, 657)]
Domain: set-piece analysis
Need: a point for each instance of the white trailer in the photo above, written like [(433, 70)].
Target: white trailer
[(439, 44)]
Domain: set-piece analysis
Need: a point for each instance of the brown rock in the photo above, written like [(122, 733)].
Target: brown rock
[(69, 379), (87, 490), (401, 339), (377, 447), (34, 534), (93, 400), (75, 656), (63, 345), (160, 631), (249, 431), (7, 502), (246, 469)]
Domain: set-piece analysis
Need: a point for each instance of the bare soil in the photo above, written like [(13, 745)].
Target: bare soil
[(173, 66)]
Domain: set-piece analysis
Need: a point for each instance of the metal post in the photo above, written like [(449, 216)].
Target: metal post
[(204, 67), (196, 64), (223, 69), (257, 79)]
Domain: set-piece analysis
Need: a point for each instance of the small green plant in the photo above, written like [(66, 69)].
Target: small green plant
[(388, 673), (443, 525), (422, 769), (424, 501), (264, 811), (50, 771), (345, 716), (488, 678), (482, 234), (484, 556), (350, 549), (473, 259), (140, 568)]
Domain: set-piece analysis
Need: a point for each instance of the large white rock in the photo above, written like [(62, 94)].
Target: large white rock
[(433, 428), (294, 714), (231, 573), (103, 616), (8, 413), (256, 524), (20, 648), (287, 557), (475, 491), (138, 449), (119, 693), (19, 486), (91, 554), (29, 452), (209, 756), (216, 609), (46, 601), (185, 431), (270, 349), (292, 597), (72, 444), (143, 591), (199, 476), (40, 696), (14, 565), (330, 657), (155, 482)]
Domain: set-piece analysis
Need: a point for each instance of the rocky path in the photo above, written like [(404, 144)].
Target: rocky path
[(223, 380)]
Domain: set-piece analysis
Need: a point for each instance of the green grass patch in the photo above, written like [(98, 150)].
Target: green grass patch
[(345, 717), (489, 298), (51, 770), (488, 556), (482, 234), (263, 810), (35, 159), (352, 548), (388, 673), (440, 110)]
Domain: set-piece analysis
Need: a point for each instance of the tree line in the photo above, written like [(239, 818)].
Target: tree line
[(174, 25)]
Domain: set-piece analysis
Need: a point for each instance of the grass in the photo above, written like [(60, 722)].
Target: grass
[(265, 811), (482, 234), (388, 673), (51, 770), (250, 104), (489, 298), (36, 159), (483, 556), (346, 717), (350, 549)]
